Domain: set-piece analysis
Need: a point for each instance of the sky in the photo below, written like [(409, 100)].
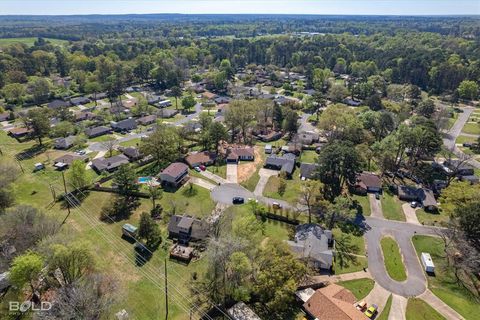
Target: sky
[(345, 7)]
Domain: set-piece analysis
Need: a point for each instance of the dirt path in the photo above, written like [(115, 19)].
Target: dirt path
[(246, 169)]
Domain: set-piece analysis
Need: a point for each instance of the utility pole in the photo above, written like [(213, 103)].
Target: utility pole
[(65, 196), (166, 291)]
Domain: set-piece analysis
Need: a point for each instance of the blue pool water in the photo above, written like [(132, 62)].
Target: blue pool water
[(144, 179)]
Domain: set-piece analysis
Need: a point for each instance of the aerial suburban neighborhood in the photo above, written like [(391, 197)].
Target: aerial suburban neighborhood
[(239, 167)]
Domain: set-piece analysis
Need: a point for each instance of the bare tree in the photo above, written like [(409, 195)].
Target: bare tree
[(110, 144)]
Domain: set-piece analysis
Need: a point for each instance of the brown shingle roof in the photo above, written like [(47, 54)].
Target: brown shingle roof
[(333, 303), (175, 169), (200, 157)]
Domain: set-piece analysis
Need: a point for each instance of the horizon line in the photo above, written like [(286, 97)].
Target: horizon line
[(244, 14)]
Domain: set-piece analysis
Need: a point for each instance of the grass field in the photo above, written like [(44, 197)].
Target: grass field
[(393, 259), (309, 156), (444, 284), (432, 219), (386, 310), (292, 191), (392, 207), (219, 170), (131, 143), (471, 128), (364, 204), (358, 265), (30, 41), (464, 139), (418, 309), (359, 287)]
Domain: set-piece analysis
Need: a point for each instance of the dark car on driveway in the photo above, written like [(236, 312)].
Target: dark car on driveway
[(238, 200)]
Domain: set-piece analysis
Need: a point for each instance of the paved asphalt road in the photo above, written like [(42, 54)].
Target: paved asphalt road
[(98, 146), (224, 193), (452, 134), (306, 126), (402, 232)]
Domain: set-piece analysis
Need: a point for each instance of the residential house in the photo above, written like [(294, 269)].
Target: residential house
[(421, 195), (175, 174), (109, 164), (97, 131), (205, 158), (146, 120), (67, 159), (57, 104), (472, 179), (130, 103), (285, 163), (314, 244), (458, 168), (84, 115), (19, 132), (185, 229), (306, 138), (222, 100), (209, 95), (368, 182), (308, 170), (333, 302), (164, 103), (79, 100), (153, 99), (124, 125), (270, 136), (4, 116), (293, 148), (240, 311), (98, 96), (167, 113), (132, 153), (351, 102), (64, 143), (240, 153)]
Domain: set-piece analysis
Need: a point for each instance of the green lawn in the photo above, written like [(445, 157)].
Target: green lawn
[(386, 310), (309, 156), (357, 240), (359, 287), (358, 265), (429, 218), (392, 207), (464, 139), (417, 309), (364, 204), (131, 143), (393, 259), (219, 170), (471, 128), (292, 191), (444, 284), (30, 41), (103, 138)]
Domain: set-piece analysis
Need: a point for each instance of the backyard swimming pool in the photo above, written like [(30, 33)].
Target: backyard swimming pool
[(151, 181)]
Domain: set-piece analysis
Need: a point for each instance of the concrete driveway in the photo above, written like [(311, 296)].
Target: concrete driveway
[(202, 183), (375, 206), (207, 174), (232, 172), (264, 174), (410, 214), (402, 232)]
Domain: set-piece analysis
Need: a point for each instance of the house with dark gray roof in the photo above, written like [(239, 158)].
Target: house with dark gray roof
[(124, 125), (313, 244), (56, 104), (285, 163), (175, 174), (167, 113), (64, 143), (109, 164), (308, 170), (132, 153), (79, 100), (146, 120), (97, 131), (186, 229), (422, 195)]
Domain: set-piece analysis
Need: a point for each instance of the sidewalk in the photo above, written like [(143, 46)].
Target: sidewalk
[(399, 308), (439, 305), (378, 296), (342, 277), (202, 183)]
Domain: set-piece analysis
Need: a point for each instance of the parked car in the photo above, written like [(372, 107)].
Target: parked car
[(202, 167), (238, 200), (371, 311), (81, 152), (362, 305), (276, 205), (377, 196), (197, 169), (413, 204)]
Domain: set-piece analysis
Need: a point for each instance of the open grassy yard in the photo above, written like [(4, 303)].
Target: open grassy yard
[(30, 41), (292, 191), (358, 265), (444, 284), (103, 138), (309, 156), (432, 218), (359, 287), (386, 310), (393, 259), (465, 139), (471, 128), (219, 170), (417, 309), (364, 204), (131, 143), (392, 207)]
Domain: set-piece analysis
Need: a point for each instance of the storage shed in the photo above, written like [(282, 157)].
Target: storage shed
[(129, 231), (427, 262)]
